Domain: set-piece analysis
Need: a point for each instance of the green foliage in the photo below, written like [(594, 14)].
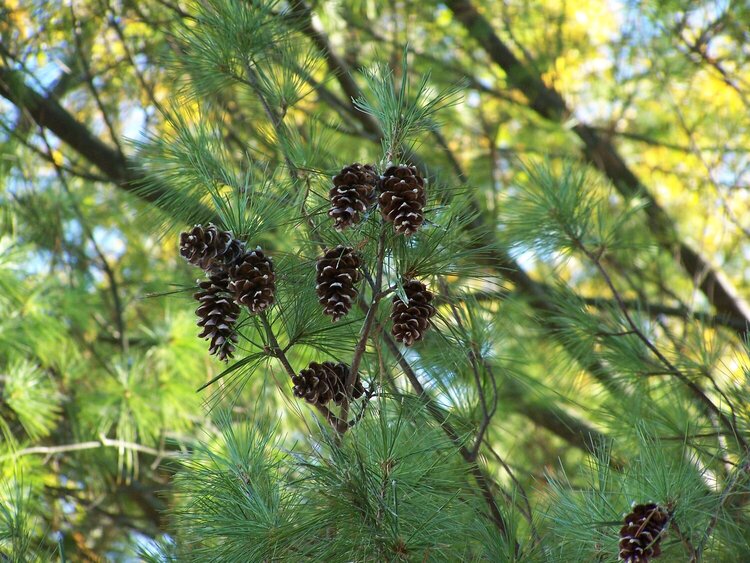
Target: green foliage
[(403, 111), (394, 491), (565, 210), (30, 394), (584, 238)]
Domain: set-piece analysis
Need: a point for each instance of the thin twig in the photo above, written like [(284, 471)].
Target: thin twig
[(743, 470), (103, 442), (277, 352), (694, 388), (113, 285)]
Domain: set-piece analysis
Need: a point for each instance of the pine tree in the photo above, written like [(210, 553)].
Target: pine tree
[(537, 356)]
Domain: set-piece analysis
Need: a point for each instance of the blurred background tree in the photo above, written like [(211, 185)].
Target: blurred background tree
[(590, 345)]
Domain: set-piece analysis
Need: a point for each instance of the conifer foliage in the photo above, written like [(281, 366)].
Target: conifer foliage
[(426, 329)]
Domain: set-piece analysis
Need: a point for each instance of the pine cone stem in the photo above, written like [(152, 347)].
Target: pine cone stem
[(275, 350), (338, 424)]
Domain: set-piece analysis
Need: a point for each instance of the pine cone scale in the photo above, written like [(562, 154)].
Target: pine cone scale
[(412, 319), (321, 383), (402, 198), (217, 315), (209, 248), (640, 536), (352, 194), (253, 282), (337, 274)]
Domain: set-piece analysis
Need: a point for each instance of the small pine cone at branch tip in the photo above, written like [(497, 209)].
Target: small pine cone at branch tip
[(217, 315), (640, 536), (352, 193), (252, 281), (337, 275), (402, 198), (210, 248), (320, 383), (412, 319)]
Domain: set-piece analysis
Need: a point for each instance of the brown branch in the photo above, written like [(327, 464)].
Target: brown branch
[(364, 335), (103, 442), (124, 173), (108, 270), (484, 483)]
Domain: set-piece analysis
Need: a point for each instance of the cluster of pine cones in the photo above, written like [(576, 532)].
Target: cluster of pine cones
[(641, 533), (237, 277), (401, 198), (399, 193)]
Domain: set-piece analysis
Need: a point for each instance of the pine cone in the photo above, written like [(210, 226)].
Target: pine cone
[(641, 535), (402, 198), (352, 193), (210, 248), (337, 275), (253, 282), (217, 315), (411, 320), (321, 383)]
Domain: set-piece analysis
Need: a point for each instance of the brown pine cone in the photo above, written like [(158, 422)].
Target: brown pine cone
[(217, 315), (640, 536), (320, 383), (352, 193), (337, 274), (412, 319), (210, 248), (402, 198), (253, 282)]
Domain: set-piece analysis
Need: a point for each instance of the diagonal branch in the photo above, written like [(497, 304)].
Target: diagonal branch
[(123, 172)]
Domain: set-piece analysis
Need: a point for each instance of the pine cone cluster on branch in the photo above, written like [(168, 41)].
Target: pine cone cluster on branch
[(337, 276), (640, 536), (412, 319), (217, 315), (402, 198), (236, 277), (319, 384), (253, 282), (352, 193)]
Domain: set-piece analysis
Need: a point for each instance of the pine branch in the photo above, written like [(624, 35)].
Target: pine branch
[(103, 442), (484, 483), (651, 308), (49, 114), (372, 310), (602, 154), (109, 272), (339, 424), (671, 368), (336, 65), (741, 473)]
